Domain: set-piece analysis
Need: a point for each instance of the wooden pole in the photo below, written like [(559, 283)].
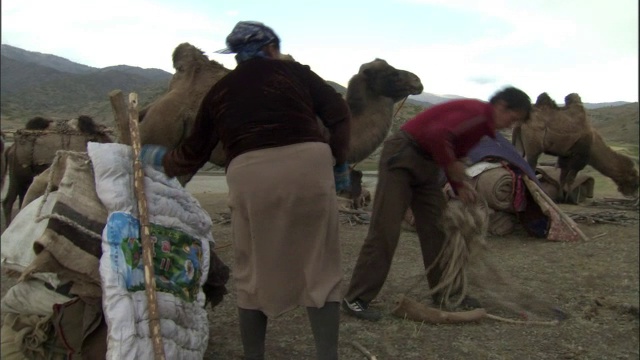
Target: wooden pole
[(145, 234), (538, 193), (121, 117)]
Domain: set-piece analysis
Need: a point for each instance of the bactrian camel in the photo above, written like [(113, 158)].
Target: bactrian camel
[(371, 95), (566, 132), (33, 151)]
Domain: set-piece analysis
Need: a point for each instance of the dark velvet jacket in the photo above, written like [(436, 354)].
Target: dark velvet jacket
[(263, 103)]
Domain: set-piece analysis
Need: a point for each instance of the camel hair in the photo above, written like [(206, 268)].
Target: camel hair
[(566, 132)]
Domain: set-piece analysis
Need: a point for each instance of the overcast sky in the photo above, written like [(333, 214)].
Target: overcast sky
[(463, 47)]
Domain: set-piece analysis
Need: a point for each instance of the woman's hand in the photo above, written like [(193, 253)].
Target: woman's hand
[(153, 155), (342, 177)]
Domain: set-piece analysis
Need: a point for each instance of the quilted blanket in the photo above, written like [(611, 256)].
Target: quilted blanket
[(181, 231)]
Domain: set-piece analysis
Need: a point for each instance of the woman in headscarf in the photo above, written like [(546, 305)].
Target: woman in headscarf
[(282, 177)]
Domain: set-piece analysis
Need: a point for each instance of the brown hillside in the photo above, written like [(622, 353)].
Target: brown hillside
[(618, 124)]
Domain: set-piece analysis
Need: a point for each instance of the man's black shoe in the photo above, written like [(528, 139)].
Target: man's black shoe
[(360, 309)]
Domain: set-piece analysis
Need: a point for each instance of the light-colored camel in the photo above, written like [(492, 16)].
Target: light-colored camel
[(566, 132), (371, 95), (35, 147), (170, 118)]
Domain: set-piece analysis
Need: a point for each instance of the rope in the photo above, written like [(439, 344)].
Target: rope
[(465, 228), (400, 107)]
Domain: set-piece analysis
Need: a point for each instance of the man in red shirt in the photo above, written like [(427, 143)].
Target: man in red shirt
[(408, 175)]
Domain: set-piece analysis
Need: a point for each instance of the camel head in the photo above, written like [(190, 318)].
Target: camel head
[(629, 181), (385, 80)]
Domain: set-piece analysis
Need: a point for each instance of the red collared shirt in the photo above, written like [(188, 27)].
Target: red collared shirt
[(449, 130)]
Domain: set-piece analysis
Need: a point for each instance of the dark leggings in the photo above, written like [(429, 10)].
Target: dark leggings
[(324, 321)]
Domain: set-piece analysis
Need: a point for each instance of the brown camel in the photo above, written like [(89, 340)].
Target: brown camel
[(371, 95), (169, 119), (35, 147), (566, 132)]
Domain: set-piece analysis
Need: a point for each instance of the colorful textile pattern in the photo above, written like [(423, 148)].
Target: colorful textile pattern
[(177, 259)]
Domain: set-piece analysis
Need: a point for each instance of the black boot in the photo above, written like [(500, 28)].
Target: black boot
[(253, 329), (325, 324)]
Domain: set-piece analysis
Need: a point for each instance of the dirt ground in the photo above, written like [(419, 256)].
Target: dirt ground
[(595, 282)]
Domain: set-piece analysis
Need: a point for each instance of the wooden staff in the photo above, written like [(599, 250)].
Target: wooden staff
[(121, 118), (147, 244), (538, 193)]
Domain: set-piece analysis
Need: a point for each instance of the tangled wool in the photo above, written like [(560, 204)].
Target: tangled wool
[(466, 229)]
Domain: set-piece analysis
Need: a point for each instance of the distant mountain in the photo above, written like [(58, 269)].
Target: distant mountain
[(46, 60), (337, 87), (433, 98), (411, 100), (36, 84), (605, 104), (437, 99)]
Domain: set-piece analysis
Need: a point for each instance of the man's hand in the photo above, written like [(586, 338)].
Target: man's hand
[(456, 171), (467, 194)]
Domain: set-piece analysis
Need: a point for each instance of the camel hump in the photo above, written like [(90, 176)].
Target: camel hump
[(38, 123), (572, 99), (87, 125), (374, 65), (545, 100), (186, 55)]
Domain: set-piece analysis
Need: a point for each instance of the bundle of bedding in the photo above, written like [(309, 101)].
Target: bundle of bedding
[(83, 269), (181, 231)]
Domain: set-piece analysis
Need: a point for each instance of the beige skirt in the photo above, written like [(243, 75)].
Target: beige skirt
[(284, 221)]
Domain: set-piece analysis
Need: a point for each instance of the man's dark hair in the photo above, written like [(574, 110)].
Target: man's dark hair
[(515, 99)]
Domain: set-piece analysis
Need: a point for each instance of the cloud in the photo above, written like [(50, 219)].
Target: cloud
[(100, 34), (466, 47), (482, 80)]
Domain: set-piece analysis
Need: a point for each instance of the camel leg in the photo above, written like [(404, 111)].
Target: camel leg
[(17, 190), (572, 163), (9, 200), (567, 176), (569, 168), (356, 187)]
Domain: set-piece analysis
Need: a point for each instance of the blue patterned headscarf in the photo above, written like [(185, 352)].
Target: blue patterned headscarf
[(247, 39)]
